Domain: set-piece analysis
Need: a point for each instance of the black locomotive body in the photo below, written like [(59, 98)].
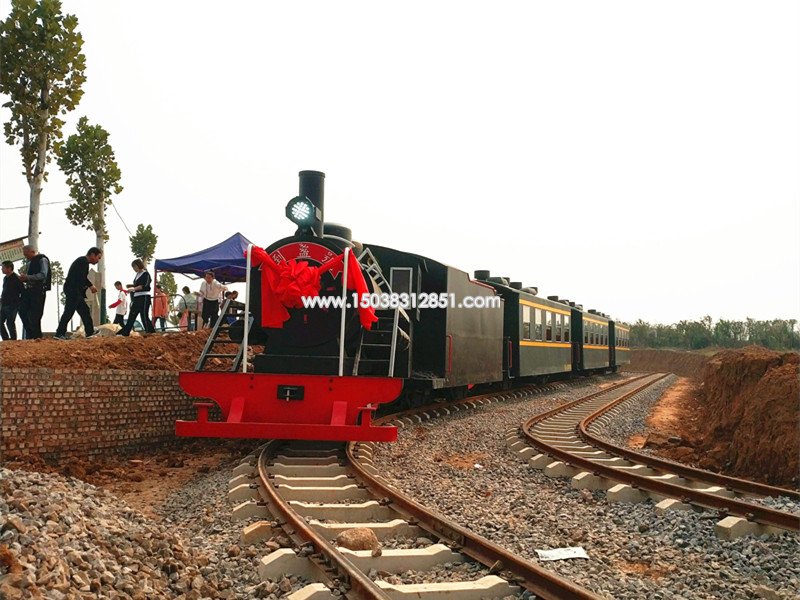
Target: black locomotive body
[(324, 368)]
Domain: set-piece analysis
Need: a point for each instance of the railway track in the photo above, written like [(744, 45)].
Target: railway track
[(565, 442), (312, 492)]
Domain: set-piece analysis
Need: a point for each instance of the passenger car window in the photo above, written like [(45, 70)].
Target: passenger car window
[(526, 322)]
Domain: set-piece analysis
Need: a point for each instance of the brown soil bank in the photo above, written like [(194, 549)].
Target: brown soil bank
[(741, 419), (751, 402), (154, 352), (685, 364)]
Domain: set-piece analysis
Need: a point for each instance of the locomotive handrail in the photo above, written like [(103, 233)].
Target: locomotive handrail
[(344, 311), (393, 350), (246, 306)]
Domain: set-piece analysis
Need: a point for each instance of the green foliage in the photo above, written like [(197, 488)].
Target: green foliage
[(143, 243), (777, 334), (88, 161), (167, 283), (58, 279), (42, 73), (58, 273)]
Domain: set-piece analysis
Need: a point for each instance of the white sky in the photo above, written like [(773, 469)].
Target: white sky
[(642, 158)]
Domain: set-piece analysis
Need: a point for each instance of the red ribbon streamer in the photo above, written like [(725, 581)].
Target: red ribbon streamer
[(284, 285)]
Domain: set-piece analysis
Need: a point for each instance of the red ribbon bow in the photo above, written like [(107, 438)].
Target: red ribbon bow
[(284, 285)]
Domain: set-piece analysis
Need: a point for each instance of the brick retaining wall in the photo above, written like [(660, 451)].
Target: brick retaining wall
[(70, 413)]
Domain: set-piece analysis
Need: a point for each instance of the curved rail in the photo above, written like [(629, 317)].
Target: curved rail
[(545, 584), (751, 512), (327, 559), (744, 486)]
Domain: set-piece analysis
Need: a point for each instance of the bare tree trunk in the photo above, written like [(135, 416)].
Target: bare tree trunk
[(33, 218), (100, 242), (36, 184)]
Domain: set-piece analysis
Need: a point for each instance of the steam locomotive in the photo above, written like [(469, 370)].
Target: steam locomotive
[(326, 369)]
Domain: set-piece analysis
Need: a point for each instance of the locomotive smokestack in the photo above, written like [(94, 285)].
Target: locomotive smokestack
[(312, 186)]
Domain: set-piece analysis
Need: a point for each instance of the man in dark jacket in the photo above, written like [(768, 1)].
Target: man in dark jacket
[(75, 286), (10, 301), (37, 284)]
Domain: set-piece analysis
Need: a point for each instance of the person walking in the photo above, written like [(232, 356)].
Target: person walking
[(160, 307), (140, 304), (10, 300), (75, 286), (121, 305), (188, 306), (211, 291), (37, 280)]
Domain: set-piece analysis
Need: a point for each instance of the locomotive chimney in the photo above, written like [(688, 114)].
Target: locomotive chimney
[(312, 186)]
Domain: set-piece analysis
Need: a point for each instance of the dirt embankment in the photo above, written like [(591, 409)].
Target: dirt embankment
[(154, 352), (740, 418), (684, 364), (750, 398)]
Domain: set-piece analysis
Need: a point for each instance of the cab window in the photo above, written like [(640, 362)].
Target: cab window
[(566, 328)]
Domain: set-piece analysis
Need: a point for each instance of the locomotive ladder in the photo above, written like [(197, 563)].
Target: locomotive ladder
[(220, 334), (381, 342)]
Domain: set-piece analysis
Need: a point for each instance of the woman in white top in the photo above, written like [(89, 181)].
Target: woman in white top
[(140, 305)]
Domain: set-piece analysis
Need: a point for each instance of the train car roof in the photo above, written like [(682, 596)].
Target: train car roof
[(420, 257)]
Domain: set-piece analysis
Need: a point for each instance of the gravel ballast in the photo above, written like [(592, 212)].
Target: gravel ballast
[(63, 538), (71, 540), (461, 468)]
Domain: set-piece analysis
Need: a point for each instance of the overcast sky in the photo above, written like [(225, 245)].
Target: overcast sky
[(641, 158)]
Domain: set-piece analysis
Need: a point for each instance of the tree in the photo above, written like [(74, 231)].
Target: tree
[(143, 243), (167, 283), (170, 288), (42, 73), (93, 175), (58, 281)]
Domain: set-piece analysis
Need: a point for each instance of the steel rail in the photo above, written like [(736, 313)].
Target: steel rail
[(543, 583), (538, 580), (565, 407), (732, 483), (751, 512), (361, 586), (480, 397)]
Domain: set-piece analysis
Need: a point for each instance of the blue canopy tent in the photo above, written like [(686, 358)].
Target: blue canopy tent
[(226, 259)]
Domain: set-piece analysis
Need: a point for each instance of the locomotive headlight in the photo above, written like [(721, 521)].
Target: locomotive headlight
[(302, 212)]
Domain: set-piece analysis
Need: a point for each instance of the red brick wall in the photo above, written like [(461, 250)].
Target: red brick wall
[(69, 413)]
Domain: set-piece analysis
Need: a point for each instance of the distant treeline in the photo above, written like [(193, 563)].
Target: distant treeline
[(778, 334)]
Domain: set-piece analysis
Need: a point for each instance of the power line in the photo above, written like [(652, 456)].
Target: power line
[(28, 205), (121, 219), (67, 202)]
